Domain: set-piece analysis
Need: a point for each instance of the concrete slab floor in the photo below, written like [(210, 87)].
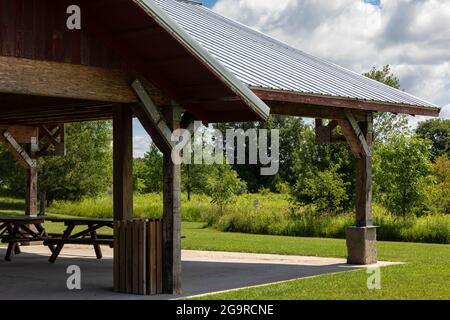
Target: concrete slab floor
[(30, 276)]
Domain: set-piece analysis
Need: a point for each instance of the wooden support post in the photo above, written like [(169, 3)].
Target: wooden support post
[(31, 192), (31, 180), (26, 158), (361, 239), (172, 217), (123, 162), (364, 179)]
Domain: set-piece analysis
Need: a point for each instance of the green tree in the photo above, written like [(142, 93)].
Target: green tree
[(151, 175), (251, 174), (401, 172), (438, 131), (86, 170), (314, 167), (386, 124), (139, 169), (438, 192), (223, 184), (12, 178), (193, 178), (325, 189)]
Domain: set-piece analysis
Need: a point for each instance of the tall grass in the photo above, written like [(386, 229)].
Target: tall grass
[(306, 222), (144, 206), (271, 214)]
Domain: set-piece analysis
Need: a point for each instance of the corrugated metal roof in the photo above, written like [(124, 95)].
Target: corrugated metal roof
[(259, 60), (198, 51)]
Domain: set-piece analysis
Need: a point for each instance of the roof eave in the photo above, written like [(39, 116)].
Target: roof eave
[(343, 102)]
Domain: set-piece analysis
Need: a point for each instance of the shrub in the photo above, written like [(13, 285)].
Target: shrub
[(325, 189), (401, 173), (223, 184), (437, 196)]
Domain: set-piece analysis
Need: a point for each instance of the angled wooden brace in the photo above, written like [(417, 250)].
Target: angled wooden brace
[(18, 152), (152, 120), (52, 137), (354, 135)]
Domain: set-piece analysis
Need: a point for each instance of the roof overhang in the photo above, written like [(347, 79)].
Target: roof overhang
[(271, 95), (154, 46)]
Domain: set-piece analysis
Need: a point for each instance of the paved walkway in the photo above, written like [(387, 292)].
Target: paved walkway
[(30, 276)]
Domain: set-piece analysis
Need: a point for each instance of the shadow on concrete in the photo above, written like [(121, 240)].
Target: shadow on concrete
[(31, 276)]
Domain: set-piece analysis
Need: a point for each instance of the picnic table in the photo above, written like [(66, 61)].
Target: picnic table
[(21, 229), (88, 235), (15, 230)]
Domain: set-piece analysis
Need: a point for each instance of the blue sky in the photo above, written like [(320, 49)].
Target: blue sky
[(208, 3), (375, 2)]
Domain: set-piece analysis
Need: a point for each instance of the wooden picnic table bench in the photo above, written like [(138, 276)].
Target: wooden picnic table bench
[(21, 229), (87, 236)]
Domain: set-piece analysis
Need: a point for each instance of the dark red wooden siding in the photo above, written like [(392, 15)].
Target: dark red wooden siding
[(36, 29)]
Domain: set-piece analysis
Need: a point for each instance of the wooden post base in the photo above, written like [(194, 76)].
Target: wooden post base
[(138, 254), (362, 245)]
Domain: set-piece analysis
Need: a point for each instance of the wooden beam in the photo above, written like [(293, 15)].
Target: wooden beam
[(310, 111), (171, 214), (62, 80), (355, 137), (123, 162), (359, 133), (22, 134), (150, 117), (17, 151), (344, 103)]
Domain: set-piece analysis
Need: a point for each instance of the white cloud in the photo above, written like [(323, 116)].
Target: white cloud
[(445, 112), (141, 144), (411, 35)]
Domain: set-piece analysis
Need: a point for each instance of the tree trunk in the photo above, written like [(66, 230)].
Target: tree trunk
[(42, 202), (189, 182)]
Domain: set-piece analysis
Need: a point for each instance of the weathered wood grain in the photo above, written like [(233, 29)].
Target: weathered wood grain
[(123, 162)]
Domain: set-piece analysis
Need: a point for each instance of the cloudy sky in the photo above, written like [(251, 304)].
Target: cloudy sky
[(413, 36)]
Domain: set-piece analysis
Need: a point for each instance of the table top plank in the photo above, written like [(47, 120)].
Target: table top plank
[(80, 221), (20, 219)]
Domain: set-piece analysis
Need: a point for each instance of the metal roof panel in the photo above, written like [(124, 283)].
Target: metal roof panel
[(261, 61)]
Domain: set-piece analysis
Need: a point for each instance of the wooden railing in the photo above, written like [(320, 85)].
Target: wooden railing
[(138, 251)]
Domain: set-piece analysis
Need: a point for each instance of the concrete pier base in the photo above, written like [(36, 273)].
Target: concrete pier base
[(362, 245)]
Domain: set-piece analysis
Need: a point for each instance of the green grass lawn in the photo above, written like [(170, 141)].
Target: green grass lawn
[(425, 274)]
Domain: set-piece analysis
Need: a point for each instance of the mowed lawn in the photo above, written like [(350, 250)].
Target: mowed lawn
[(425, 274)]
